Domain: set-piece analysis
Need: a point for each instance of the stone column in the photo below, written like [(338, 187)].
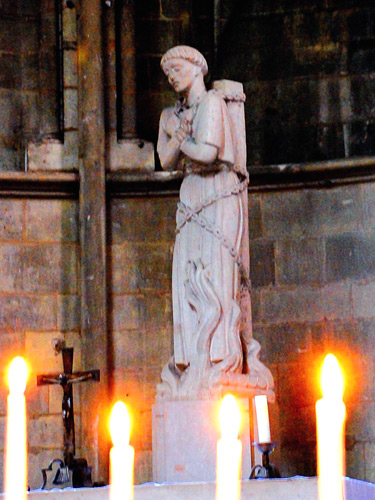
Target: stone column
[(93, 235)]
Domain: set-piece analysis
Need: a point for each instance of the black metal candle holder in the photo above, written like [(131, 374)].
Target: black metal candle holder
[(266, 470)]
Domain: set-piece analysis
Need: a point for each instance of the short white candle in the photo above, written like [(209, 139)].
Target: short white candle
[(263, 422), (121, 455), (330, 419), (16, 441), (229, 451)]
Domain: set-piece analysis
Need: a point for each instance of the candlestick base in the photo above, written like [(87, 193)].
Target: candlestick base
[(266, 470)]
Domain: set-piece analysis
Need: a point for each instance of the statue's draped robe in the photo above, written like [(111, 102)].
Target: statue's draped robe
[(194, 243)]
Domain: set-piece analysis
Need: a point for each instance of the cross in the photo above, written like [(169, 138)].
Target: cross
[(66, 380)]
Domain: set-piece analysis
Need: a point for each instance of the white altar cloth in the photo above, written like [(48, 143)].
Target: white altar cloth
[(297, 488)]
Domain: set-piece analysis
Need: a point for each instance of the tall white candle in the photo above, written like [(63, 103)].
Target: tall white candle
[(121, 455), (16, 446), (263, 422), (229, 451), (330, 419)]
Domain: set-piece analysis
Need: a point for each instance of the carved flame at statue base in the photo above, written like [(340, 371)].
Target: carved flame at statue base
[(203, 379)]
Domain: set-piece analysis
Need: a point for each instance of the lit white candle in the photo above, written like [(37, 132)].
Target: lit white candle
[(16, 448), (263, 421), (121, 455), (330, 419), (229, 451)]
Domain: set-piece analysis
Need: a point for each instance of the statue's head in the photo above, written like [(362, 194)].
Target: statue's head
[(182, 65)]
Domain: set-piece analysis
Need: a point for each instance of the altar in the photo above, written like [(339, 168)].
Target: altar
[(297, 488)]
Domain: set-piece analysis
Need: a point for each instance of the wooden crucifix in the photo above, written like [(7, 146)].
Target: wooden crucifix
[(66, 381)]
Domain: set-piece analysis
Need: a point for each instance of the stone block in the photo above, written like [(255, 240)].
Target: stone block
[(39, 347), (2, 434), (360, 421), (128, 386), (9, 71), (70, 158), (255, 216), (70, 24), (11, 345), (30, 72), (139, 267), (143, 220), (355, 460), (70, 68), (49, 268), (143, 467), (185, 435), (256, 306), (131, 154), (336, 301), (369, 462), (158, 346), (350, 255), (10, 267), (368, 196), (126, 312), (45, 432), (11, 216), (68, 312), (51, 220), (284, 343), (262, 263), (300, 261), (71, 108), (308, 212), (291, 305), (37, 312), (297, 384), (36, 397), (31, 112), (10, 112), (129, 348), (45, 156), (363, 300)]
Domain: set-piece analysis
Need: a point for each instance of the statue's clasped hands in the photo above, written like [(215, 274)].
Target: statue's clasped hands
[(185, 129)]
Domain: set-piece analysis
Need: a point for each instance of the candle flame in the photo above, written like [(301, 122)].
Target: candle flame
[(332, 380), (119, 424), (17, 376), (229, 417)]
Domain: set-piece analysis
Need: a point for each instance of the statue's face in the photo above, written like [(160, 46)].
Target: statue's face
[(181, 74)]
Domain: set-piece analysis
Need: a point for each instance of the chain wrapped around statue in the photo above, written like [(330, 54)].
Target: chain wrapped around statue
[(203, 135)]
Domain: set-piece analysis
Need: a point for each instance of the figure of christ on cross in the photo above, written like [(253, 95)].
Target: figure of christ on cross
[(66, 381)]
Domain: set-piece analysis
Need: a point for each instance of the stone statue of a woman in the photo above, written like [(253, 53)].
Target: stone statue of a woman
[(204, 137)]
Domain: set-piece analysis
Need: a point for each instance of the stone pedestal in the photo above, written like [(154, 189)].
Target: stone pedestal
[(184, 438)]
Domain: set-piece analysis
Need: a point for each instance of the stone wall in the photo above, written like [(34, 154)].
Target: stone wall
[(313, 273), (308, 72), (313, 280), (38, 304)]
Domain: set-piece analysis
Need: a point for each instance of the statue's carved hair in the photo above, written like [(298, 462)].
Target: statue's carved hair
[(185, 52)]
